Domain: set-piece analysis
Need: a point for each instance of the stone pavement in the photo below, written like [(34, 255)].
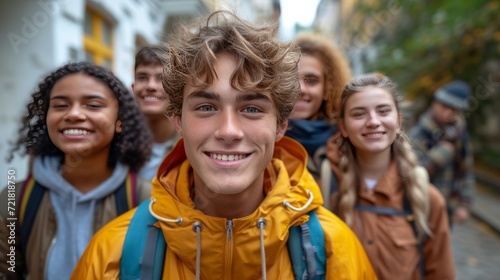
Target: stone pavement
[(486, 207), (476, 244), (476, 250)]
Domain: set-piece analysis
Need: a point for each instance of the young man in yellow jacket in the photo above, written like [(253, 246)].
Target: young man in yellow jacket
[(227, 195)]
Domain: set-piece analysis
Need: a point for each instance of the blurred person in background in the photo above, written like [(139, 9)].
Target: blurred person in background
[(153, 101), (443, 147), (384, 195), (88, 139), (323, 73)]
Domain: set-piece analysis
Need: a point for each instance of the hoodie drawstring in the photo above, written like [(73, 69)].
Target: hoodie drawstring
[(197, 227), (261, 224), (287, 204)]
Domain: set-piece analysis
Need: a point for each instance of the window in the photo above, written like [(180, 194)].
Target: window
[(98, 39)]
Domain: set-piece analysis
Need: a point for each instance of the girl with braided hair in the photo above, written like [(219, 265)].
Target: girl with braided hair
[(384, 196), (87, 138)]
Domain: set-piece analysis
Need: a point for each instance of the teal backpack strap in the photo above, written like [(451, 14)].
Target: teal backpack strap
[(144, 248), (306, 246), (296, 252)]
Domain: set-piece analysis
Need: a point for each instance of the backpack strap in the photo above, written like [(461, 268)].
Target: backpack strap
[(144, 247), (420, 244), (408, 213), (125, 195), (30, 198), (306, 247), (386, 211), (32, 193), (26, 189)]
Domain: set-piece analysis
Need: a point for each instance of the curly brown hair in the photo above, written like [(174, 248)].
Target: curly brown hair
[(335, 66), (131, 147), (265, 64)]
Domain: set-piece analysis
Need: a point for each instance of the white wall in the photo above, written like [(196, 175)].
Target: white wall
[(37, 36), (27, 54)]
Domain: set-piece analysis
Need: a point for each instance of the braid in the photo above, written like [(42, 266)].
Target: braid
[(414, 179), (347, 194), (416, 190)]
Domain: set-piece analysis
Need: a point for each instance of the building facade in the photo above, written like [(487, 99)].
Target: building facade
[(40, 35)]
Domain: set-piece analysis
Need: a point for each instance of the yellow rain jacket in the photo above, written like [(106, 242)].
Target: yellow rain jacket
[(236, 255)]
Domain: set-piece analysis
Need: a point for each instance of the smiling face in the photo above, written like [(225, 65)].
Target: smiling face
[(148, 90), (229, 135), (312, 86), (82, 116), (371, 121)]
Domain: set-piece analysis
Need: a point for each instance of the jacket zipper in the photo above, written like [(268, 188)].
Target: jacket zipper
[(229, 250)]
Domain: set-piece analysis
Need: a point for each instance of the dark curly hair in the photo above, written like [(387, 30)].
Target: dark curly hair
[(131, 147), (265, 63)]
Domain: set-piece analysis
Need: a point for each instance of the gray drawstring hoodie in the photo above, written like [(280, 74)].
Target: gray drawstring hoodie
[(74, 213)]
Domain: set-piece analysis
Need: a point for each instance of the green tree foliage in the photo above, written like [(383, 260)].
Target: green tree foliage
[(423, 44)]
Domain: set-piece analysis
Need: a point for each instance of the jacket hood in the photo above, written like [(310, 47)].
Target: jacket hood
[(47, 171), (291, 193)]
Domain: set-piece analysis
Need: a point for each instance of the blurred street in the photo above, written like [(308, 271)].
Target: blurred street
[(476, 244), (476, 249)]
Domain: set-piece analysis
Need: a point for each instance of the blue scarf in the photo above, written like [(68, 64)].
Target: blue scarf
[(311, 134)]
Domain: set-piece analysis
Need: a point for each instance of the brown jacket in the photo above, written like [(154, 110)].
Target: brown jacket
[(390, 241), (44, 231)]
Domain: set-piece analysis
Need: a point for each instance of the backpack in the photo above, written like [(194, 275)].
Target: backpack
[(144, 248), (32, 193)]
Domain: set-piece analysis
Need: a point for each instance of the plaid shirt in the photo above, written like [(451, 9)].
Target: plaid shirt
[(450, 169)]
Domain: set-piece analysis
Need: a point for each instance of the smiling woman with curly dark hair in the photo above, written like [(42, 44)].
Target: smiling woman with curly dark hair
[(87, 139), (131, 147)]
